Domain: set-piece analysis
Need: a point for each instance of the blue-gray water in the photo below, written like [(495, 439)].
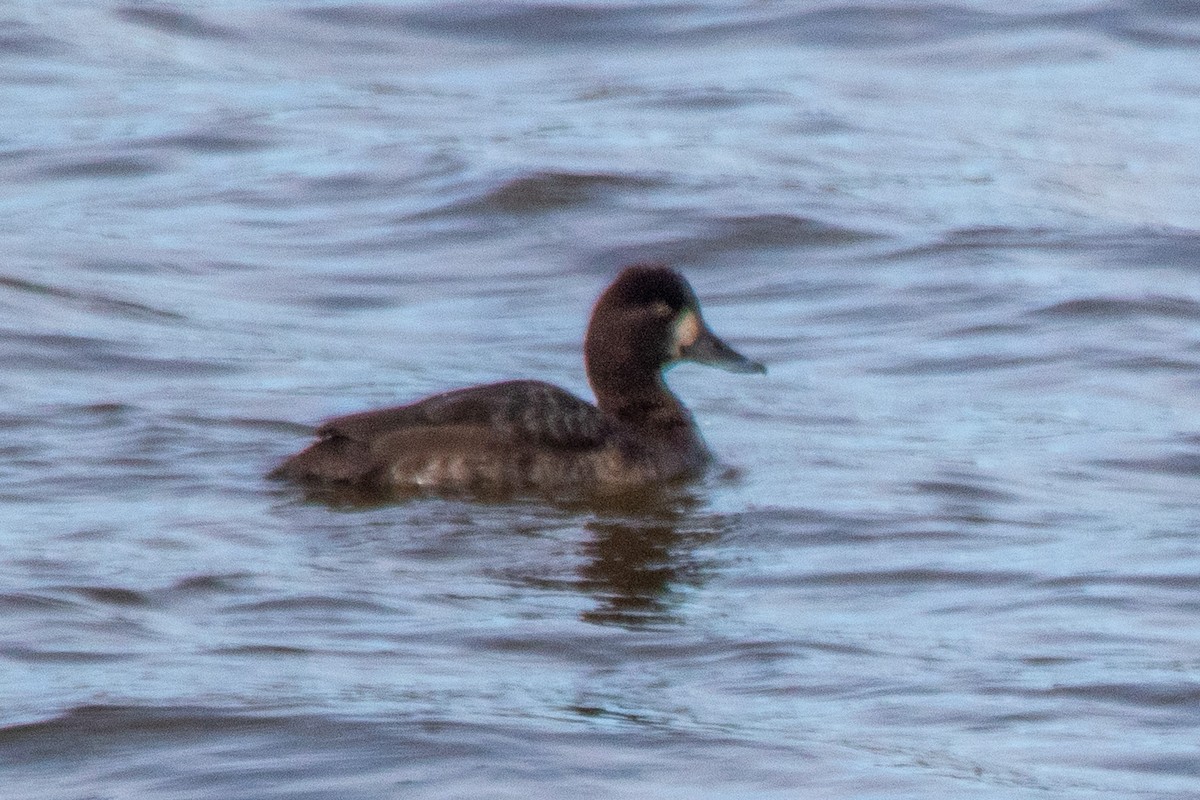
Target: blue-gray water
[(954, 546)]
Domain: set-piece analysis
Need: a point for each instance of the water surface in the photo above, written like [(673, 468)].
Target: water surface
[(951, 546)]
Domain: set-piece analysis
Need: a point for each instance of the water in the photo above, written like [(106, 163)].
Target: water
[(952, 548)]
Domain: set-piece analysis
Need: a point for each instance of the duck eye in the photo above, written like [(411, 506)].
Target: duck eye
[(661, 309)]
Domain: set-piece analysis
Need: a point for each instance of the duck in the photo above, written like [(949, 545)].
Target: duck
[(529, 437)]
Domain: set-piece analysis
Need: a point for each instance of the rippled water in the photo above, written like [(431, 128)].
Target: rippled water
[(952, 549)]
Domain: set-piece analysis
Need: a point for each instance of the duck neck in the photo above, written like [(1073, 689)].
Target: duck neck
[(639, 398)]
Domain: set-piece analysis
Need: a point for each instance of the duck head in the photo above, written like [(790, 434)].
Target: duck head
[(647, 320)]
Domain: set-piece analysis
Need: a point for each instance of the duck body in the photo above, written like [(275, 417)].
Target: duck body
[(513, 437), (530, 437)]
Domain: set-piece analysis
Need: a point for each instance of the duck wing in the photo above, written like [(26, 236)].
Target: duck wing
[(527, 412)]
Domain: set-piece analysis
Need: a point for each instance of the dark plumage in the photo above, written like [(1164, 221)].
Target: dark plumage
[(530, 437)]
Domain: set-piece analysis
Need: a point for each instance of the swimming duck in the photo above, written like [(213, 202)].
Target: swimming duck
[(530, 437)]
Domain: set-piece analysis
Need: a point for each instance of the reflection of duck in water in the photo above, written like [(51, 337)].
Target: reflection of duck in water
[(634, 568), (533, 437)]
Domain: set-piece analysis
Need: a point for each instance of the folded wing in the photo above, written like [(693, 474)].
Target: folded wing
[(529, 412)]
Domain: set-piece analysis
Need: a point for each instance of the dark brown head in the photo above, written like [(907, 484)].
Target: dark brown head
[(647, 320)]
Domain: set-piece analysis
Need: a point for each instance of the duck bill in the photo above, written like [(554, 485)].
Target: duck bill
[(707, 348)]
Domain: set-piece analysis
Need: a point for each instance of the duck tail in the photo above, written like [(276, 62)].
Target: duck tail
[(334, 459)]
